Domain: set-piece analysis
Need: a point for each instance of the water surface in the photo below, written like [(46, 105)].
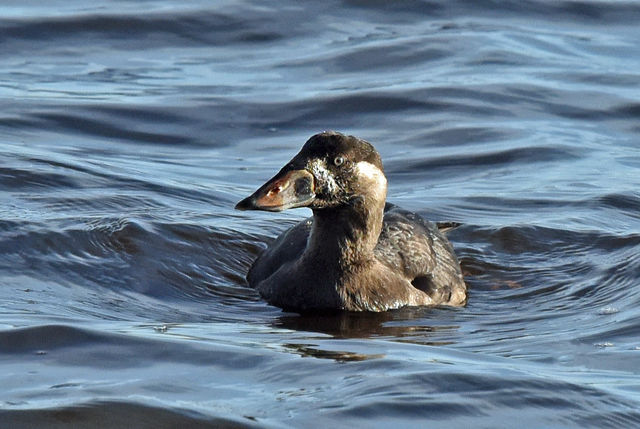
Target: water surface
[(128, 131)]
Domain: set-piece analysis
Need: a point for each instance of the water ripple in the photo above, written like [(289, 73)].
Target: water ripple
[(128, 131)]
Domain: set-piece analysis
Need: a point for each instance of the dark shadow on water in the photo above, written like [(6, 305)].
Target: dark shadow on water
[(409, 324), (106, 415), (305, 350), (340, 324)]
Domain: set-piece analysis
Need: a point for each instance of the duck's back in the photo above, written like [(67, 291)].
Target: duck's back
[(420, 250), (409, 245)]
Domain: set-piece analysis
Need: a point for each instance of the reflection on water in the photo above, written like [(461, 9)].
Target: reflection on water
[(407, 324), (305, 350), (128, 132)]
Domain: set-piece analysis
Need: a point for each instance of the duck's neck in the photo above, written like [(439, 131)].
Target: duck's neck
[(345, 237)]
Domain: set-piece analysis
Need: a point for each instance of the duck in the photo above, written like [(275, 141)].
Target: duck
[(357, 252)]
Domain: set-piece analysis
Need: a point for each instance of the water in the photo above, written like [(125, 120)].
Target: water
[(128, 131)]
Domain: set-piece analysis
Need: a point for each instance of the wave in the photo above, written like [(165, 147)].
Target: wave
[(114, 414)]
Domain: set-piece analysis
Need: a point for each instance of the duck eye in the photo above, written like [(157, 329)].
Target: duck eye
[(338, 161)]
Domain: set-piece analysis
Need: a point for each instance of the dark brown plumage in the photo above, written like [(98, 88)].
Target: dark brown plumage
[(356, 252)]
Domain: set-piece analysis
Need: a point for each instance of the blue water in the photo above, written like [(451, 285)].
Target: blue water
[(129, 129)]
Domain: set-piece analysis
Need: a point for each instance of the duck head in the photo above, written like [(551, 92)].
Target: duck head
[(331, 170)]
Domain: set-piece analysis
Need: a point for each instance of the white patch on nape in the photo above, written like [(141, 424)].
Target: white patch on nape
[(323, 176), (373, 178)]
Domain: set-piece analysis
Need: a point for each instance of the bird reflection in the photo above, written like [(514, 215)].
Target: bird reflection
[(408, 325)]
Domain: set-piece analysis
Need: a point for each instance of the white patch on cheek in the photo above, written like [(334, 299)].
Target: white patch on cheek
[(323, 176), (373, 178)]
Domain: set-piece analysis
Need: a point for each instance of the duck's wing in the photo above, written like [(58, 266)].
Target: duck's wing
[(287, 247), (419, 249)]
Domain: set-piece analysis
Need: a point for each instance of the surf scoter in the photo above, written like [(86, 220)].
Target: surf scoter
[(357, 252)]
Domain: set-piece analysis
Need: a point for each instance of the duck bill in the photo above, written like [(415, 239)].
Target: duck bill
[(287, 190)]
